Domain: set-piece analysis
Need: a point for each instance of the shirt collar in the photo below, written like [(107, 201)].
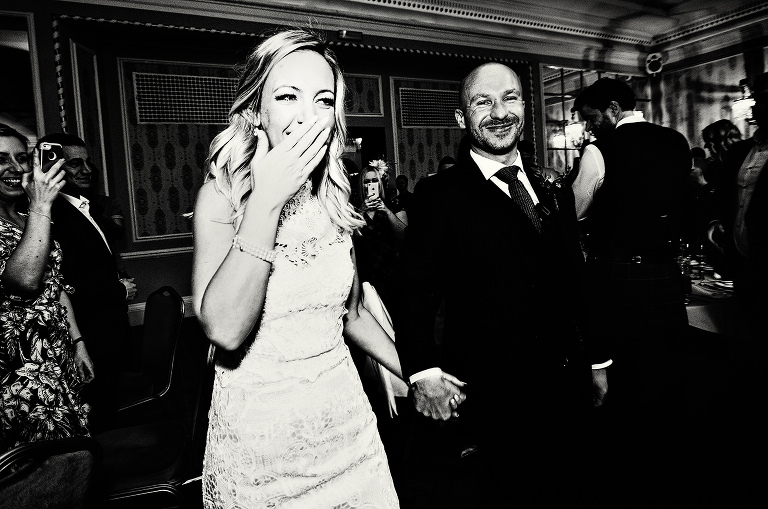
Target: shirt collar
[(489, 167), (630, 119), (72, 199)]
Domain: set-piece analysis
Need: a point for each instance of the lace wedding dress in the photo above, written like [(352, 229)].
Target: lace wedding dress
[(290, 426)]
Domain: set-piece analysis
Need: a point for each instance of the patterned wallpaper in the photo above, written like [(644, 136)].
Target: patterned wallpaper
[(363, 97), (165, 161), (420, 149), (695, 97)]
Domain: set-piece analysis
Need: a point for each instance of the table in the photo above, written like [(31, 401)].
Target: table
[(710, 305)]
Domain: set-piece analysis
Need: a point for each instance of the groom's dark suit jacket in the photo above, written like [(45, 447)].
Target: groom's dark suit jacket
[(512, 296)]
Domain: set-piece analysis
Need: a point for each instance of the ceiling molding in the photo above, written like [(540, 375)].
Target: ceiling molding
[(509, 14), (745, 15), (550, 31)]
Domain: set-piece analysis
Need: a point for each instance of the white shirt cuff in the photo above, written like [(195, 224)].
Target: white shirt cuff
[(424, 374), (602, 364)]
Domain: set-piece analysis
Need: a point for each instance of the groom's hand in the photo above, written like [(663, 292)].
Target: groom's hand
[(438, 397)]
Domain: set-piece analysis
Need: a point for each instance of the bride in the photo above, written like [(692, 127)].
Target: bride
[(275, 287)]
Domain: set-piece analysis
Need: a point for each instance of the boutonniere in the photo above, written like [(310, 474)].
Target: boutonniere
[(549, 178), (551, 181)]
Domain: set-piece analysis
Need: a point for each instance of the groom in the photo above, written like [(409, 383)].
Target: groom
[(508, 266)]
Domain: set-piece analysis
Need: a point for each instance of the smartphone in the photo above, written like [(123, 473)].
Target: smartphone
[(49, 154), (372, 190)]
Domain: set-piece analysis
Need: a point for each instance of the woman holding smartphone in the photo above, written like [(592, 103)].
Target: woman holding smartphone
[(378, 242), (43, 361)]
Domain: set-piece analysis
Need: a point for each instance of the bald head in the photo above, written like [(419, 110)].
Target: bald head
[(479, 72), (492, 110)]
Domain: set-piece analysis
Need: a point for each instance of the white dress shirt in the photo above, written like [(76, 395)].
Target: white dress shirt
[(592, 173), (82, 204), (489, 168)]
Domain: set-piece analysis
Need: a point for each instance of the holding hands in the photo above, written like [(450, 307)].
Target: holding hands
[(438, 397), (278, 172)]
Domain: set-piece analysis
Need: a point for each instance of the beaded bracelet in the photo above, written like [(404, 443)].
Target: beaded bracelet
[(268, 255)]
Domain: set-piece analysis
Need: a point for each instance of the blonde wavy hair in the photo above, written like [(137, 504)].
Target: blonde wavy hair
[(231, 150)]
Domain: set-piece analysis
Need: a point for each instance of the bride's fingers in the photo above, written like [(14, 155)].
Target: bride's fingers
[(312, 140), (311, 157), (303, 135), (312, 164)]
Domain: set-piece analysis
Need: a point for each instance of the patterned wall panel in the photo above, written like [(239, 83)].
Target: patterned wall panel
[(364, 98), (420, 149), (165, 160), (697, 96)]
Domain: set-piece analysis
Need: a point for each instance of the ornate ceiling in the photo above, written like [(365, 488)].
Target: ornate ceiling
[(608, 34)]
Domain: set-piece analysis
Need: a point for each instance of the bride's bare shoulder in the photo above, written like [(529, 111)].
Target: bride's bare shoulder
[(211, 201)]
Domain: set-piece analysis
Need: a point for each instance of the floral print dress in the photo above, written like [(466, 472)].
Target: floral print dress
[(38, 379)]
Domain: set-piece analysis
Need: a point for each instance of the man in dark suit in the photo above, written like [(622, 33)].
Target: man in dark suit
[(742, 231), (507, 265), (629, 192), (89, 266)]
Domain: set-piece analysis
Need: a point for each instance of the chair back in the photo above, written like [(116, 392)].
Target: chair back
[(163, 314), (51, 473)]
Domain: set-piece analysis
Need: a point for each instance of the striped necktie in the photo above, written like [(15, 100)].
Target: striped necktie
[(519, 194)]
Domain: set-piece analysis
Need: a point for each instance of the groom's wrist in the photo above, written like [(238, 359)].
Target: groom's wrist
[(427, 373)]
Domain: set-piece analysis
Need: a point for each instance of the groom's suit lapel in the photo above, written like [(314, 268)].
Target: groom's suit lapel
[(494, 207)]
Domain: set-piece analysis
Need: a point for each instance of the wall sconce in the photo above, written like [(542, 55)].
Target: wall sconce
[(742, 107)]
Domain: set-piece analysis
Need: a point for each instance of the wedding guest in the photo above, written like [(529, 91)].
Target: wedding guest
[(377, 244), (719, 137), (698, 201), (90, 266), (632, 200), (741, 231), (43, 360), (404, 196)]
